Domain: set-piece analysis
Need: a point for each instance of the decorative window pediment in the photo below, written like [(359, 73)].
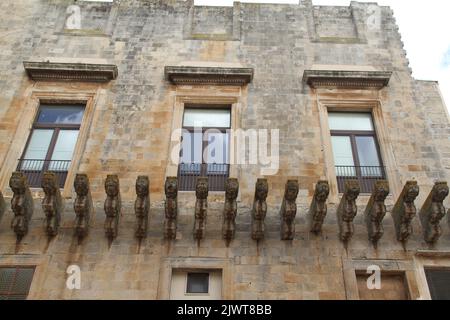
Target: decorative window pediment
[(184, 75), (81, 72), (347, 79)]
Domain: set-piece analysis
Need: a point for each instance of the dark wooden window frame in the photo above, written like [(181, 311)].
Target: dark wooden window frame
[(427, 277), (9, 292), (204, 165), (51, 148), (353, 134)]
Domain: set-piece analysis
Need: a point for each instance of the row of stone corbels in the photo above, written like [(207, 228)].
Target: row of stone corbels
[(403, 212)]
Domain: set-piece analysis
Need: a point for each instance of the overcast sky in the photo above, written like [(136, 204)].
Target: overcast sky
[(425, 29)]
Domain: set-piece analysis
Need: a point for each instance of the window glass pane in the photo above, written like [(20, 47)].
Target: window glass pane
[(37, 149), (69, 114), (192, 147), (368, 157), (63, 152), (197, 283), (206, 118), (439, 284), (350, 121), (6, 279), (343, 156), (217, 149), (23, 280)]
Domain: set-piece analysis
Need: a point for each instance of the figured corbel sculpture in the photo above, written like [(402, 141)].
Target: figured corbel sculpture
[(230, 209), (82, 206), (2, 206), (347, 210), (201, 207), (171, 208), (52, 204), (259, 210), (289, 210), (142, 206), (404, 211), (21, 204), (376, 211), (113, 206), (318, 208), (433, 211)]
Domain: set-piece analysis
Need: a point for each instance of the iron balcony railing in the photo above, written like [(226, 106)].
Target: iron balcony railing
[(189, 172), (34, 170), (366, 176)]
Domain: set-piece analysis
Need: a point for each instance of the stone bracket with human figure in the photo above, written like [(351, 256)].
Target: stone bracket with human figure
[(171, 208), (21, 204), (201, 208), (433, 211), (52, 203), (230, 209), (83, 205), (376, 211), (318, 209), (113, 206), (288, 210), (405, 210), (259, 210), (347, 210), (142, 206)]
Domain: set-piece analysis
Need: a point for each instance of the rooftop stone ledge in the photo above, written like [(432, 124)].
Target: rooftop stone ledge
[(57, 71), (347, 79), (188, 75)]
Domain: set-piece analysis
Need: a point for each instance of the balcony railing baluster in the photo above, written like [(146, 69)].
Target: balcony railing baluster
[(216, 173), (365, 175), (34, 170)]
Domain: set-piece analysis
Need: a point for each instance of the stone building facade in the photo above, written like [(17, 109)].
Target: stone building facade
[(134, 68)]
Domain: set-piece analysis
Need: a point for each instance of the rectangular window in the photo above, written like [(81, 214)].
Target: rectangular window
[(15, 282), (439, 284), (205, 147), (355, 149), (52, 142), (196, 284)]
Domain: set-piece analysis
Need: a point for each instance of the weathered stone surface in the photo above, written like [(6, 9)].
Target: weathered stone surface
[(405, 210), (376, 211), (2, 206), (230, 209), (21, 204), (52, 204), (347, 210), (171, 208), (201, 208), (347, 79), (113, 206), (259, 210), (82, 205), (318, 208), (142, 206), (288, 210), (208, 75), (433, 211)]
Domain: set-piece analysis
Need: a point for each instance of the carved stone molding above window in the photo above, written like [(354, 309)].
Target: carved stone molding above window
[(80, 72), (184, 75), (347, 79)]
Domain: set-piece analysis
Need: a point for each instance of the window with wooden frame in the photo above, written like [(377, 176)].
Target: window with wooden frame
[(15, 282), (51, 142), (205, 147), (355, 149)]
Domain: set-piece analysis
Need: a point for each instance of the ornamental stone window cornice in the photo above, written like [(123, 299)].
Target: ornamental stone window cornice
[(190, 75), (79, 72)]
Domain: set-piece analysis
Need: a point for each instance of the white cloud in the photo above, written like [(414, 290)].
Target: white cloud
[(424, 26)]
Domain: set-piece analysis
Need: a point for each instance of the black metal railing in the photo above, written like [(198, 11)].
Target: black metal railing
[(189, 172), (366, 176), (34, 170)]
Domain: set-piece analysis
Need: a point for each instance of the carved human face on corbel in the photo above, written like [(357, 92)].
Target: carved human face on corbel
[(322, 191), (440, 191), (381, 191), (18, 183), (171, 187), (201, 189), (262, 189), (112, 185), (81, 184), (352, 190), (412, 193), (142, 186), (231, 189), (49, 183), (292, 188)]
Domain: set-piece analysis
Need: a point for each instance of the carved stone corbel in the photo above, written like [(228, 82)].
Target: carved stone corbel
[(376, 211), (347, 210), (2, 206), (404, 211), (259, 210), (201, 207), (230, 209), (289, 210), (318, 208), (433, 211), (52, 204), (171, 208), (142, 206), (82, 206), (21, 204), (113, 206)]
